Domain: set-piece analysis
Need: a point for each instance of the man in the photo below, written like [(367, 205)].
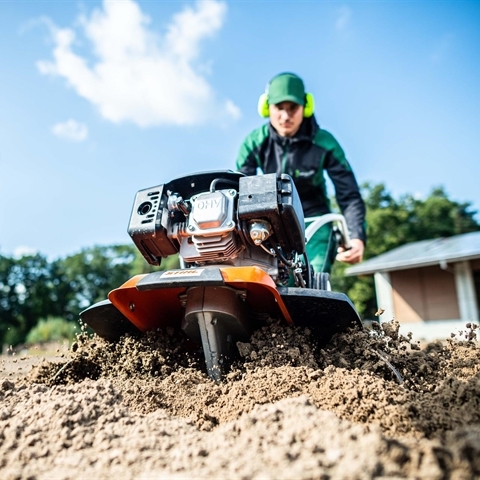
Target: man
[(293, 143)]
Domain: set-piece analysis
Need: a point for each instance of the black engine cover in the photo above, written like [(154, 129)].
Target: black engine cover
[(274, 199)]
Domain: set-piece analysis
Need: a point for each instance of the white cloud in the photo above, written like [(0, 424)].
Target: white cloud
[(343, 19), (233, 110), (24, 251), (71, 130), (140, 76)]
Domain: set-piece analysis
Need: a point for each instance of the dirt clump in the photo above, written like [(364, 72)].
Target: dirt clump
[(370, 404)]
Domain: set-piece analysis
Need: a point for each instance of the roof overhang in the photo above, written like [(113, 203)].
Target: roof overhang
[(381, 267)]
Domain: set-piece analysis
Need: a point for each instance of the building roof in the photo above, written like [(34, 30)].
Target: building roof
[(439, 251)]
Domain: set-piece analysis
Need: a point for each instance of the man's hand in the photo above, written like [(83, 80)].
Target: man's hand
[(354, 254)]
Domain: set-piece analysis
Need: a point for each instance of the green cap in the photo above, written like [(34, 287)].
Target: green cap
[(286, 87)]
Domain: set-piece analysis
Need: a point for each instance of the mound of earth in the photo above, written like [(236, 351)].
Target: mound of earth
[(372, 404)]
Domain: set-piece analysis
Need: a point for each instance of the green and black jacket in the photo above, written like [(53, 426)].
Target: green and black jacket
[(305, 157)]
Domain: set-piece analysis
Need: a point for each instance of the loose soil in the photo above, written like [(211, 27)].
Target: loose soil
[(371, 404)]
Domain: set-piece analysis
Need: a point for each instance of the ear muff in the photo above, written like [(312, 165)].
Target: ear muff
[(263, 106), (264, 112), (309, 107)]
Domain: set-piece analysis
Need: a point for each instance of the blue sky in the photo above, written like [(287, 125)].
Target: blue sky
[(101, 99)]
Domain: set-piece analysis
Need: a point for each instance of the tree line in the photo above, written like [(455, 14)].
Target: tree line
[(33, 288)]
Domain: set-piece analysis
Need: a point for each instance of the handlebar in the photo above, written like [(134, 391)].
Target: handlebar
[(320, 221)]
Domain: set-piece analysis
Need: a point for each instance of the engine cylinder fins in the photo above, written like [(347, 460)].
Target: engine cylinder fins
[(216, 318)]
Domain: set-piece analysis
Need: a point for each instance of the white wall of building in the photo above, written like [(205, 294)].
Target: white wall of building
[(467, 300), (383, 288)]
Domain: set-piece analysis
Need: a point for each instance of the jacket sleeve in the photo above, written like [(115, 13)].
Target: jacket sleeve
[(347, 192), (250, 156), (246, 161)]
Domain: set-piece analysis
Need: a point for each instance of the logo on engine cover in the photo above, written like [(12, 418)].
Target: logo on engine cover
[(209, 203), (194, 272)]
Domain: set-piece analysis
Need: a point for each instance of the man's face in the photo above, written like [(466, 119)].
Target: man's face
[(286, 118)]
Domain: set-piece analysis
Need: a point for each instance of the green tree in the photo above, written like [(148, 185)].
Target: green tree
[(8, 297), (438, 216), (26, 294), (93, 272)]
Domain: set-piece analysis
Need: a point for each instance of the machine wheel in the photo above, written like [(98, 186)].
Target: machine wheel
[(321, 281)]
